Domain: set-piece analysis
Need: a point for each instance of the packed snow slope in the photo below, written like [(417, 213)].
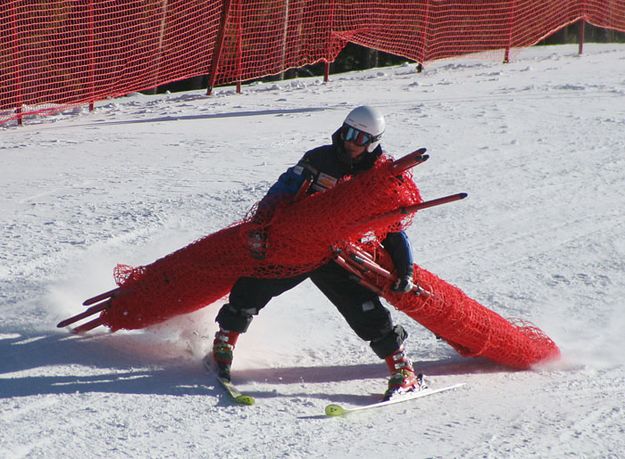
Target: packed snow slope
[(539, 145)]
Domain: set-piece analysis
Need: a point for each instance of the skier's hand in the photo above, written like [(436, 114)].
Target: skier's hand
[(403, 284), (257, 243)]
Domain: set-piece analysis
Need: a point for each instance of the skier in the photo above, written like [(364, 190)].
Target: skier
[(355, 148)]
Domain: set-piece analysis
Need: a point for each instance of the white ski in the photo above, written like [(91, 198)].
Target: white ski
[(234, 393), (338, 410)]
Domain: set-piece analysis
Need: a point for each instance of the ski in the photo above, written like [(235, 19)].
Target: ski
[(338, 410), (235, 394)]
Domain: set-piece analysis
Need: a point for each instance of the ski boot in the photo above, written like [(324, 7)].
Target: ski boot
[(222, 354), (403, 378)]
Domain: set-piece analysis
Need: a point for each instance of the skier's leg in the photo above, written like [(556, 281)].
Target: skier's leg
[(361, 307), (371, 321), (247, 297)]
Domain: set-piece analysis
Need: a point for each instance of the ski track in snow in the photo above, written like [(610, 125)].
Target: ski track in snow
[(538, 144)]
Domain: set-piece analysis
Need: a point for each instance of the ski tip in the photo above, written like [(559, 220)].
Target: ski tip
[(245, 400), (335, 410)]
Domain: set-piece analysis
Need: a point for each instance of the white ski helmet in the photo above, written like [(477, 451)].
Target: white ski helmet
[(367, 120)]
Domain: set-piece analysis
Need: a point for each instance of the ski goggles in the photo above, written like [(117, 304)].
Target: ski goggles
[(358, 137)]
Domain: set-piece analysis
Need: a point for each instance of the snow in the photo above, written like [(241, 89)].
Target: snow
[(539, 146)]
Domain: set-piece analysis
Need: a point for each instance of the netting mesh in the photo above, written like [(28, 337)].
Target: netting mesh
[(64, 52), (59, 53), (470, 328), (304, 234), (301, 237)]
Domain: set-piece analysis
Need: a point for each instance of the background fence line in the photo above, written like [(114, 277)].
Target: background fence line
[(63, 53)]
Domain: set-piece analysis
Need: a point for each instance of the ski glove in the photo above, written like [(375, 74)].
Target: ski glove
[(403, 284)]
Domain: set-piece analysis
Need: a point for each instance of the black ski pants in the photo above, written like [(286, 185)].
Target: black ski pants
[(361, 307)]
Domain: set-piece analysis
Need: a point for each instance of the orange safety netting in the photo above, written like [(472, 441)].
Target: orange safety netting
[(301, 237), (56, 54), (470, 328), (304, 234)]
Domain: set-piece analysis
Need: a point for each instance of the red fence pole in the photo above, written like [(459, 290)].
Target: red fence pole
[(239, 44), (580, 35), (225, 14), (424, 36), (91, 54), (506, 57), (15, 48), (159, 57), (326, 68)]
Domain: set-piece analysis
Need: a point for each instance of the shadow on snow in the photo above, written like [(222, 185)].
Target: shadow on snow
[(141, 363)]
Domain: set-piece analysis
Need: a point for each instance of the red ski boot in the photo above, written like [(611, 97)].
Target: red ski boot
[(403, 378), (223, 347)]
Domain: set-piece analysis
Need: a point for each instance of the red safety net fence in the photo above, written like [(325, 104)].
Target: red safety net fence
[(61, 53), (301, 235)]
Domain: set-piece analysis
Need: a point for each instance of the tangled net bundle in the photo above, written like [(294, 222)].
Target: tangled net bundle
[(305, 234), (301, 236)]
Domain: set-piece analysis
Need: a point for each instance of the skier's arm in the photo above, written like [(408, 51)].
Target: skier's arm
[(287, 186), (398, 246)]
